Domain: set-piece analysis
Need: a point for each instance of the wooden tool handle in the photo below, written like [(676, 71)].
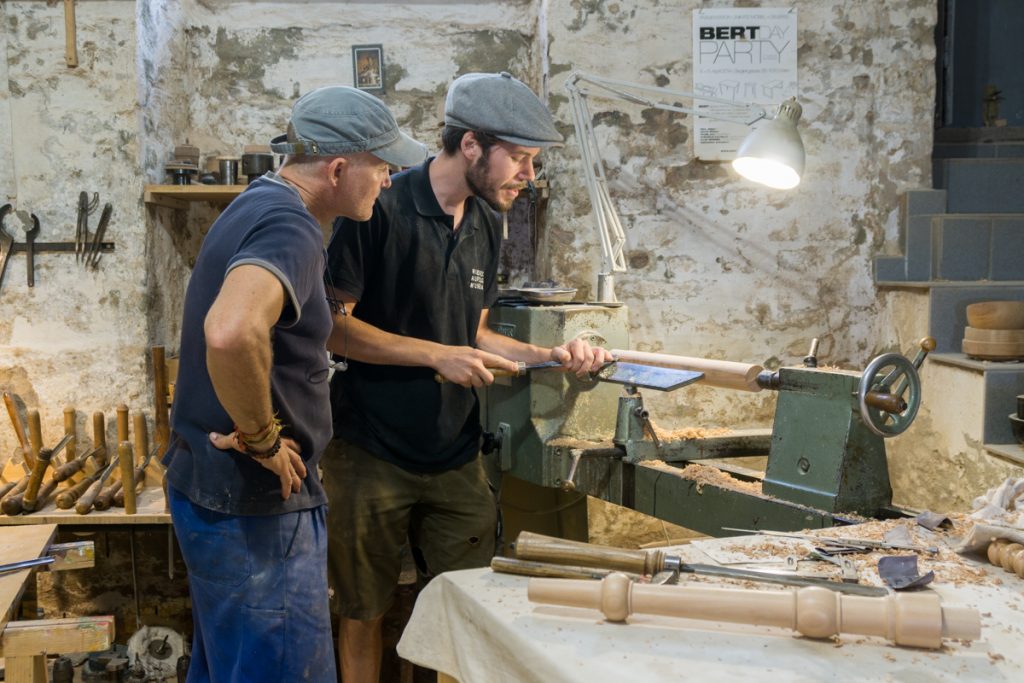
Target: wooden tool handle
[(70, 42), (19, 429), (99, 437), (161, 423), (69, 428), (717, 373), (68, 469), (88, 499), (48, 487), (122, 423), (913, 619), (497, 372), (531, 546), (36, 478), (124, 449), (35, 432), (18, 488), (106, 497), (138, 477), (7, 488), (67, 497), (511, 565), (887, 402)]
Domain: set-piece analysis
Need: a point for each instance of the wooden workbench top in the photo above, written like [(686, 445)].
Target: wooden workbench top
[(17, 545), (149, 505)]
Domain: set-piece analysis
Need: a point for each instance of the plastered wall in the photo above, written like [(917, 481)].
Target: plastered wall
[(718, 267)]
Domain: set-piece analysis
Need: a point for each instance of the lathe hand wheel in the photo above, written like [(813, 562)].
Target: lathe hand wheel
[(897, 367)]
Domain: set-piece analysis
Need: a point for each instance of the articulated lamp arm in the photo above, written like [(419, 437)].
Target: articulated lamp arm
[(609, 227)]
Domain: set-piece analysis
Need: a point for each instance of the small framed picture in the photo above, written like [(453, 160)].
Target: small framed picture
[(368, 67)]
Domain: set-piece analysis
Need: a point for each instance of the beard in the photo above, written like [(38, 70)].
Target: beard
[(478, 178)]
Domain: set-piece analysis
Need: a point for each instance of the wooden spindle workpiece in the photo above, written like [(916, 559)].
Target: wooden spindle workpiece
[(913, 619), (1007, 554), (717, 373), (99, 438), (124, 451)]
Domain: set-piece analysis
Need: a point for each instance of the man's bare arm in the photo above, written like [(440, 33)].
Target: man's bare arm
[(238, 358), (361, 341)]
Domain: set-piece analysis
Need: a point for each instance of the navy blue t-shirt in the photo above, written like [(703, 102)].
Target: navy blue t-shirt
[(415, 276), (268, 226)]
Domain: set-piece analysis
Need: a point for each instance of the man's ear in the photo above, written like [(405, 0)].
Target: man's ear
[(336, 168), (470, 146)]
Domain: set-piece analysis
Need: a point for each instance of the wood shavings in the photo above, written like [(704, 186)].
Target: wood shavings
[(688, 433), (705, 475)]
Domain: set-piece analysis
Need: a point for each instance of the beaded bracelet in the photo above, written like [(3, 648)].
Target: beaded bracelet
[(263, 455)]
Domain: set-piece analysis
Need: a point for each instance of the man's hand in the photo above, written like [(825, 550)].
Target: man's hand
[(470, 367), (286, 463), (580, 357)]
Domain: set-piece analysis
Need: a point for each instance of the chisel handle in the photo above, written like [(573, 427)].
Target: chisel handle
[(67, 497), (531, 546), (36, 479), (7, 488), (88, 499), (106, 497), (19, 429), (137, 477), (15, 504)]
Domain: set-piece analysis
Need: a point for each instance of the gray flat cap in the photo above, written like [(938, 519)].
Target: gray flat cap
[(343, 120), (502, 106)]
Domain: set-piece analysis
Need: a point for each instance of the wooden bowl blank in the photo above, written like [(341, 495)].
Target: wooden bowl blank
[(983, 335), (996, 315)]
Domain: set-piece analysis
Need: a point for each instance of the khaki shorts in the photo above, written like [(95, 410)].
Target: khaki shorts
[(449, 519)]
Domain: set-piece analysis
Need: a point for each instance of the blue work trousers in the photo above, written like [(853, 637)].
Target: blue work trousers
[(259, 594)]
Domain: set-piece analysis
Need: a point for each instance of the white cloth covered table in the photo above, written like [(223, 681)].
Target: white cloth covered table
[(478, 627)]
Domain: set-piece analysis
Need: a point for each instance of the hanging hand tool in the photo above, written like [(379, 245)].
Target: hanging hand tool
[(530, 546), (138, 477), (42, 462), (6, 241), (87, 499), (92, 258), (30, 250)]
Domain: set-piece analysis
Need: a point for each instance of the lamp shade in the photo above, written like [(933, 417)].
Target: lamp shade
[(773, 153)]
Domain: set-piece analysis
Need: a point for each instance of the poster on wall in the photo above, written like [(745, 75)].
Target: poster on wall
[(742, 55)]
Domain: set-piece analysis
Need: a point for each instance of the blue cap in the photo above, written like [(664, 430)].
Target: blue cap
[(343, 120), (502, 106)]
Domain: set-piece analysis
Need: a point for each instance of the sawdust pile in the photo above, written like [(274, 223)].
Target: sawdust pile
[(949, 566), (705, 475)]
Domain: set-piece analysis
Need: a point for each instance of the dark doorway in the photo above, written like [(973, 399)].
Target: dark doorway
[(979, 74)]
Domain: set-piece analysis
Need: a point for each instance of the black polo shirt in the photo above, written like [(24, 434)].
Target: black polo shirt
[(413, 275)]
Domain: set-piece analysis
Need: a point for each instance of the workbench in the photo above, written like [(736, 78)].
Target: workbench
[(477, 626), (25, 644), (150, 509)]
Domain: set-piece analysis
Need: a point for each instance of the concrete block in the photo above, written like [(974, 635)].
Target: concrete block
[(962, 248), (922, 202), (890, 269), (984, 185), (1007, 261), (918, 250)]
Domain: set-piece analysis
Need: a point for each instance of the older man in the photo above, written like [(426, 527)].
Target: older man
[(421, 274), (251, 412)]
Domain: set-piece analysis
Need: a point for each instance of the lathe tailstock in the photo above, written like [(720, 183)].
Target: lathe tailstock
[(826, 461)]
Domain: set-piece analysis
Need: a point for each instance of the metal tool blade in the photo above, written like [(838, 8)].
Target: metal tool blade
[(783, 579), (6, 242), (647, 376)]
